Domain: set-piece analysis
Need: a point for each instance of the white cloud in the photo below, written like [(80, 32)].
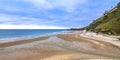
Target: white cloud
[(41, 4), (14, 19), (68, 5), (10, 19), (2, 26), (19, 22)]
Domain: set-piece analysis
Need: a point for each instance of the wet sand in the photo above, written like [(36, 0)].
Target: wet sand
[(59, 47), (17, 42)]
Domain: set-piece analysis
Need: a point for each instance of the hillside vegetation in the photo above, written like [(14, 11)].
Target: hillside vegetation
[(109, 23)]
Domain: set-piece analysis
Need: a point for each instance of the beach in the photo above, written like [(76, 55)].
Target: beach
[(69, 46)]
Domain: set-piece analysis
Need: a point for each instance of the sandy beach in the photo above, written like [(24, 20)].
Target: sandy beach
[(73, 46)]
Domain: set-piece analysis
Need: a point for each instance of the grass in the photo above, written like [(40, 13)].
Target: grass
[(109, 21)]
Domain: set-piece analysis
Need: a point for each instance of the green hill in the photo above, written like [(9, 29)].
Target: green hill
[(109, 23)]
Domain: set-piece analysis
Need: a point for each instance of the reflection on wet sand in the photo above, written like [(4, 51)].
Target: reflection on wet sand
[(59, 47)]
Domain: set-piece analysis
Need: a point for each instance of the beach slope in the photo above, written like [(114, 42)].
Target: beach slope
[(59, 47)]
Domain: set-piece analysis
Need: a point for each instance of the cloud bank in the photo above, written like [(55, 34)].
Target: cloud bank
[(51, 13), (29, 27)]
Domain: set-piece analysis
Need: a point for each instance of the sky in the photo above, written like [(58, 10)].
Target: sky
[(51, 14)]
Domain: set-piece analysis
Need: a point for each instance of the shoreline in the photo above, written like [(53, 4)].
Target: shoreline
[(7, 40), (22, 41), (58, 46)]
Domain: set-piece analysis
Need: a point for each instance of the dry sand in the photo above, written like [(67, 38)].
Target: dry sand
[(100, 37), (59, 47)]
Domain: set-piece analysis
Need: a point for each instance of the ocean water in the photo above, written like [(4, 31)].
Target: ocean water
[(16, 34)]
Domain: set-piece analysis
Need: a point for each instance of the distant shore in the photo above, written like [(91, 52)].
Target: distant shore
[(69, 46)]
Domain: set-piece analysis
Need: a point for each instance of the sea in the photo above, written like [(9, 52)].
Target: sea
[(19, 34)]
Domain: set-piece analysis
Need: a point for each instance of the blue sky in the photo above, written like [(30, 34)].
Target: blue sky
[(51, 13)]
